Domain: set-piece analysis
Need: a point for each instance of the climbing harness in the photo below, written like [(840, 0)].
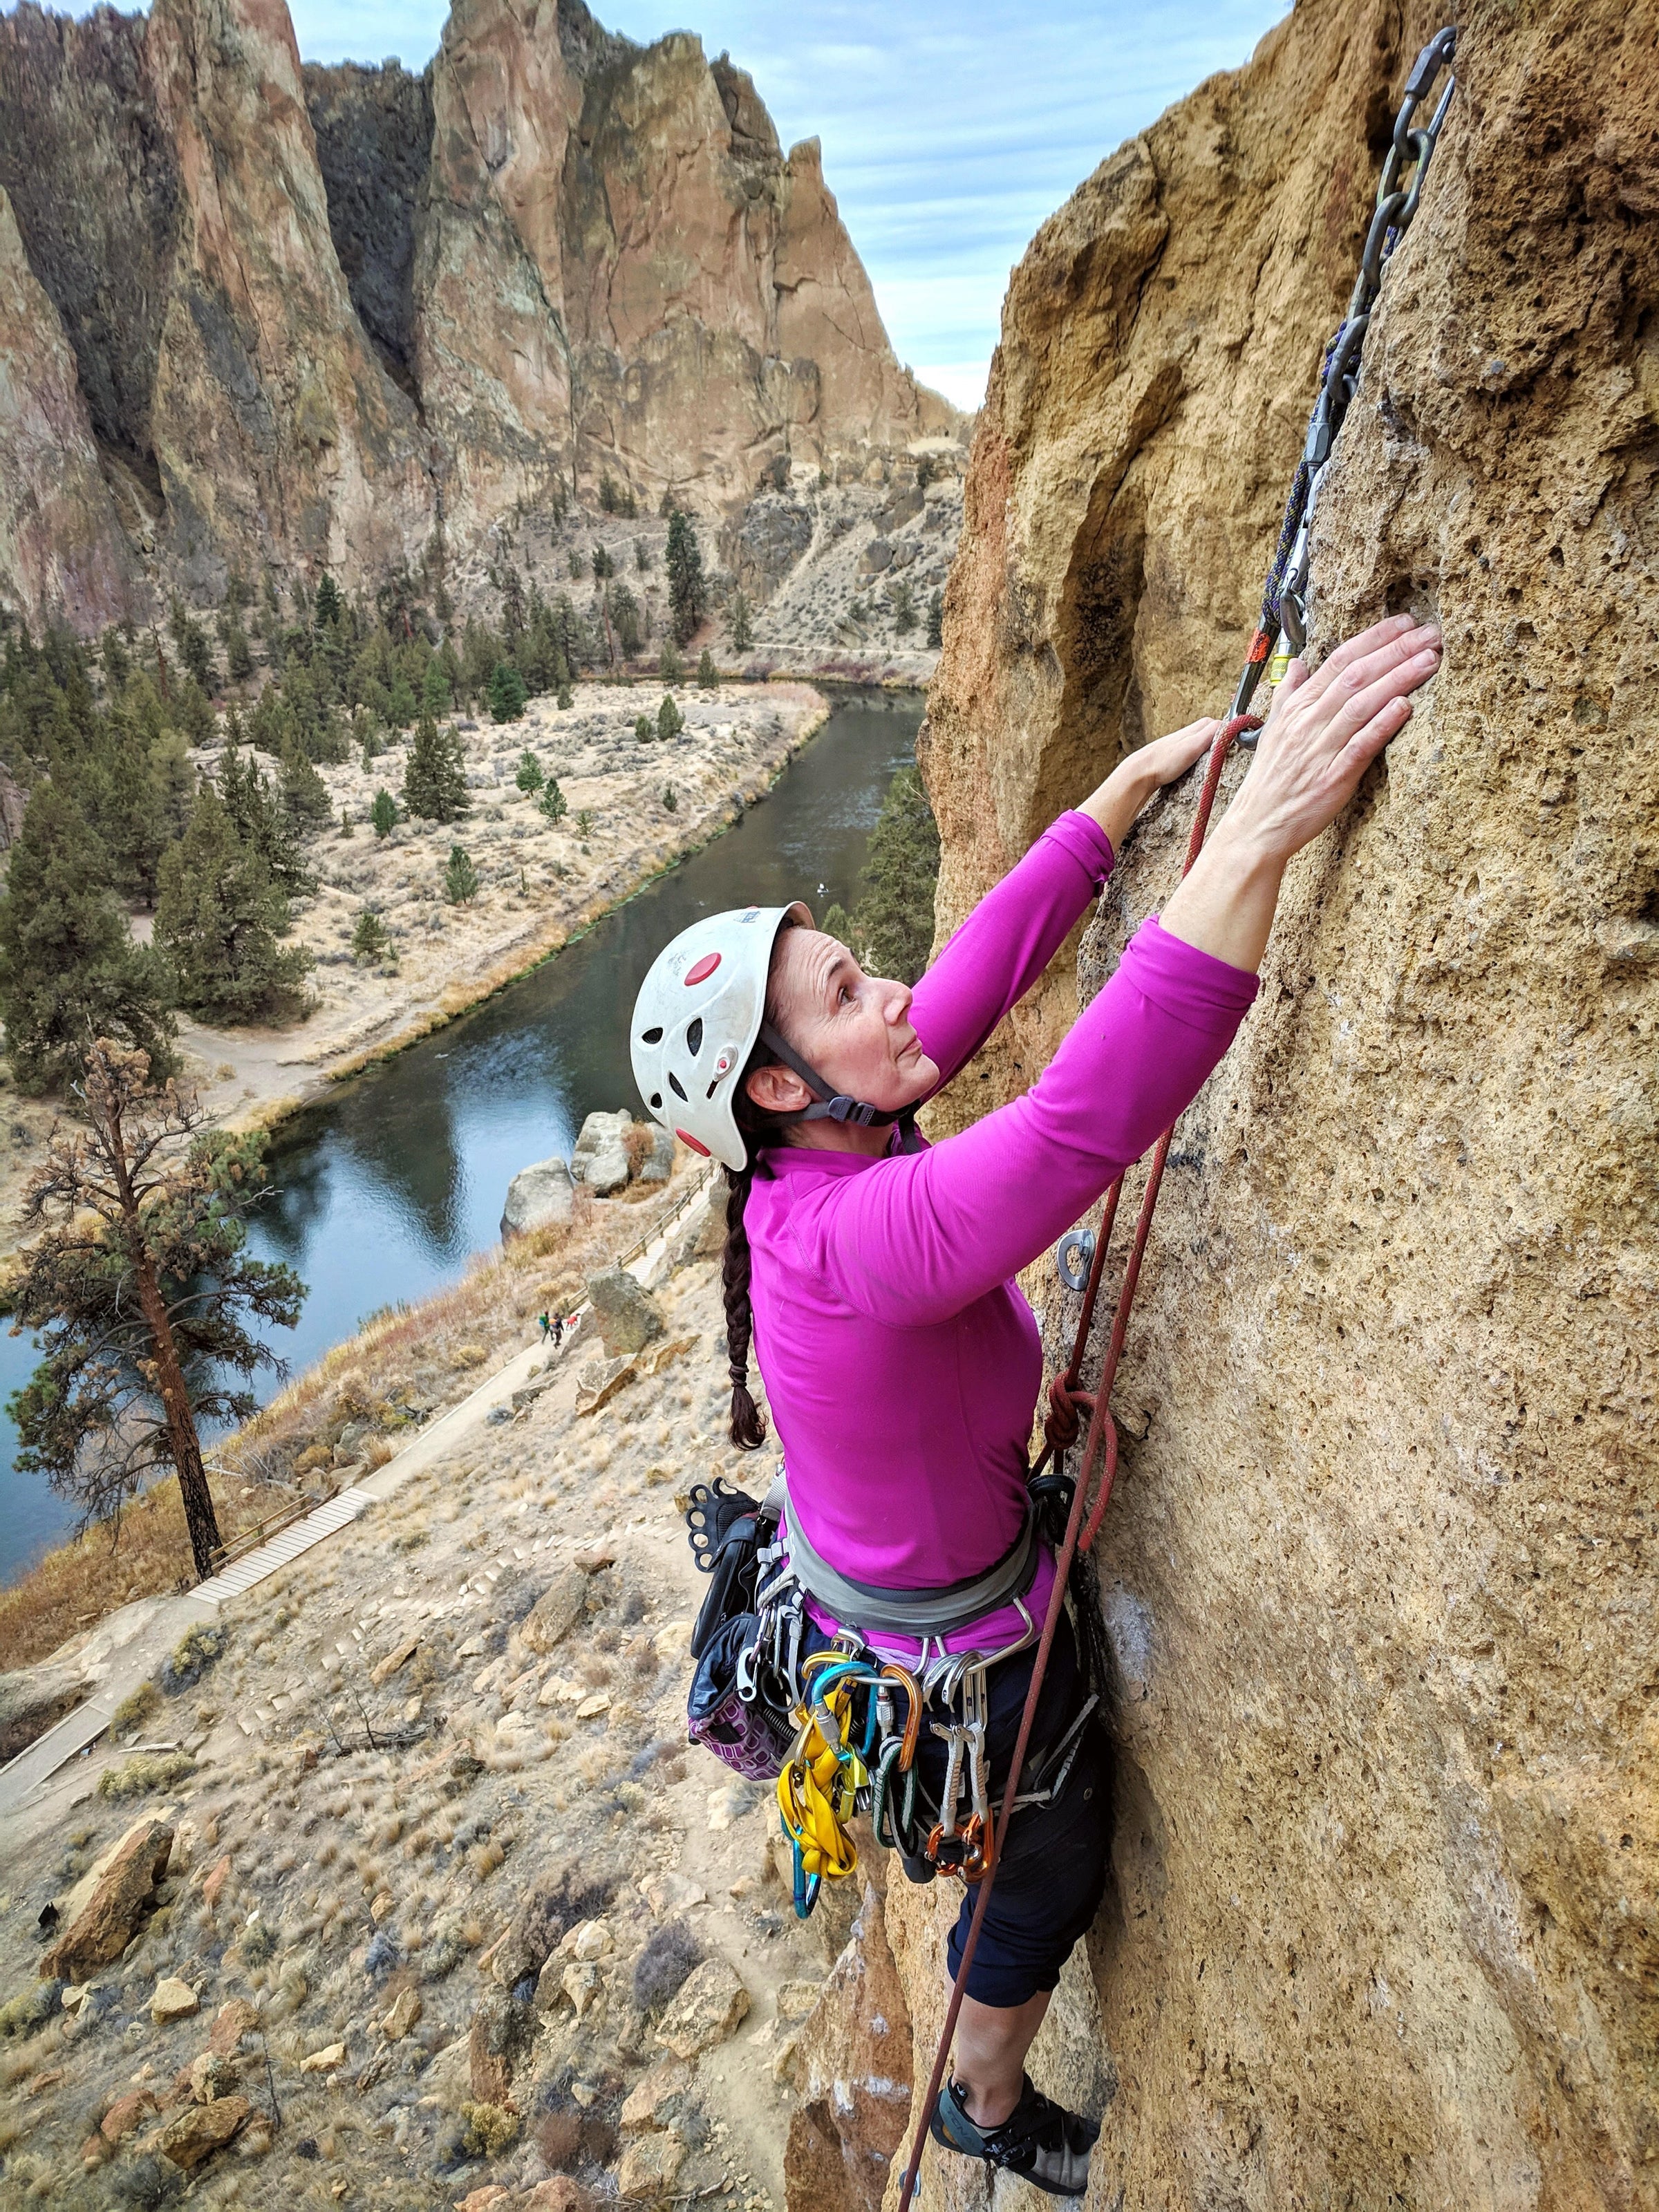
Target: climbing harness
[(1284, 609), (1283, 615)]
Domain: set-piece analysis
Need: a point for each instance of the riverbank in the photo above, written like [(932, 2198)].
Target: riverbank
[(542, 884)]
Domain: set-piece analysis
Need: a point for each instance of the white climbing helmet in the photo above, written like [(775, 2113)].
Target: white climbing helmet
[(695, 1021)]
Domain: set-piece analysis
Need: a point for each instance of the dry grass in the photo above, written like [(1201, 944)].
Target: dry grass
[(450, 1341)]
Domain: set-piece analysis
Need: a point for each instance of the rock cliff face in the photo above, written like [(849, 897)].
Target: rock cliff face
[(1380, 1573), (313, 313)]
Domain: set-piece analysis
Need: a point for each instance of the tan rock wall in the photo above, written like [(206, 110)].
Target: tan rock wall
[(1380, 1575)]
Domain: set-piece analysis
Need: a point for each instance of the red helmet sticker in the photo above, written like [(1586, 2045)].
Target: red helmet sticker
[(686, 1138), (703, 969)]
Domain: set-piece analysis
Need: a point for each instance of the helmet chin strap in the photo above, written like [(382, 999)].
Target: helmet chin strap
[(831, 1105)]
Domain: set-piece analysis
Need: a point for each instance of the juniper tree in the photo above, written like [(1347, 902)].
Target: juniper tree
[(368, 936), (329, 606), (688, 591), (261, 822), (143, 1291), (893, 926), (741, 623), (528, 773), (68, 969), (460, 878), (506, 693), (384, 814), (669, 720), (670, 666), (306, 801), (217, 921), (553, 802), (434, 781), (936, 620), (707, 674)]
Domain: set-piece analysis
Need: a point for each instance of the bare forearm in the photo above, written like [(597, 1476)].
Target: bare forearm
[(1116, 802), (1225, 906)]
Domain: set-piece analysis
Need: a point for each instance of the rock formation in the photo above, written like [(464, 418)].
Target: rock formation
[(1379, 1575), (255, 315)]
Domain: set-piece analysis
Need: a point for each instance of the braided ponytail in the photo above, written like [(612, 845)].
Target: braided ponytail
[(748, 1430)]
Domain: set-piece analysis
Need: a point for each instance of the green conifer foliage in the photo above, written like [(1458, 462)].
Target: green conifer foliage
[(708, 676), (218, 920), (891, 930), (330, 605), (670, 666), (668, 797), (528, 773), (506, 693), (368, 936), (669, 720), (434, 781), (553, 802), (383, 813), (306, 801), (644, 728), (68, 969), (740, 622), (688, 590), (936, 620), (261, 822), (460, 878)]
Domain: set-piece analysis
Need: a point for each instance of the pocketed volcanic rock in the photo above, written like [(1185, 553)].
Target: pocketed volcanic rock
[(107, 1922), (599, 1157), (852, 2065)]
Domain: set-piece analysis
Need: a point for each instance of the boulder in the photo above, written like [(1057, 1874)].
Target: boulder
[(542, 1196), (404, 2015), (626, 1315), (711, 2003), (657, 2099), (125, 2114), (108, 1920), (659, 1161), (598, 1381), (599, 1159), (200, 2129), (650, 2166), (556, 1612), (852, 2067), (498, 2043), (235, 2019), (172, 2000)]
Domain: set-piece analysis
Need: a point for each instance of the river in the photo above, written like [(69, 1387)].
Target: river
[(384, 1190)]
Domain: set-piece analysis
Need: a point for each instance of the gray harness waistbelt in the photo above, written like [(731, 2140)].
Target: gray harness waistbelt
[(917, 1613)]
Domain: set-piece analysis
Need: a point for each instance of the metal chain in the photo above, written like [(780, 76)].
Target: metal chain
[(1399, 190)]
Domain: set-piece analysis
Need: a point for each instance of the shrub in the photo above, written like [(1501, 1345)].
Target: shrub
[(670, 666), (31, 2009), (566, 697), (384, 814), (135, 1709), (669, 720), (196, 1650), (670, 1953), (644, 728), (460, 877), (668, 797), (144, 1771), (553, 802), (528, 773), (506, 693), (489, 2130), (708, 675), (936, 620)]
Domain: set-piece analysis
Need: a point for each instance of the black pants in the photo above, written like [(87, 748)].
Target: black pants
[(1052, 1875)]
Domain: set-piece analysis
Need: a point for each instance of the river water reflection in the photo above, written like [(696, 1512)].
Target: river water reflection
[(383, 1192)]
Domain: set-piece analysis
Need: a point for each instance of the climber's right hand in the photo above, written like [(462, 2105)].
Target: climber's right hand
[(1324, 732)]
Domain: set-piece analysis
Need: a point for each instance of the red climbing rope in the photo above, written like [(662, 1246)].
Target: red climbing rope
[(1068, 1401)]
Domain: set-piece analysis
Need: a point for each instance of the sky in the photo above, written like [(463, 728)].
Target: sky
[(950, 128)]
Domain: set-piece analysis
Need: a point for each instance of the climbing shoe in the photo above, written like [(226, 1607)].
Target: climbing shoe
[(1040, 2140)]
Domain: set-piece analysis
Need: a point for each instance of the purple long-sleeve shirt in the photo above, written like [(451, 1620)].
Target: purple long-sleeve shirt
[(901, 1364)]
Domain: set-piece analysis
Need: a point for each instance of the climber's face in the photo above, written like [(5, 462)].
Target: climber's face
[(853, 1028)]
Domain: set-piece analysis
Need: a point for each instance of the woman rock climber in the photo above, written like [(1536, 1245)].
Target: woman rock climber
[(902, 1364)]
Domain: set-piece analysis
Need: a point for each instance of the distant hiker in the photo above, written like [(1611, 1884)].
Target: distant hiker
[(547, 1328), (876, 1274), (558, 1331)]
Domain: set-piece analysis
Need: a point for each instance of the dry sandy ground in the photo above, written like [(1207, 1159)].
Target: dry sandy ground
[(320, 1879)]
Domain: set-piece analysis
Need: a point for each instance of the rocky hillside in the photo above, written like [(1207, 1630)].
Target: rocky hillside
[(1380, 1573), (255, 314)]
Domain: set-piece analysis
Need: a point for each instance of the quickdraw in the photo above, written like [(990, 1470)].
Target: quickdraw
[(1398, 196)]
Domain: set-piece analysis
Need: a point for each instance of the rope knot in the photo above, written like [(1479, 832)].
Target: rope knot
[(1067, 1410)]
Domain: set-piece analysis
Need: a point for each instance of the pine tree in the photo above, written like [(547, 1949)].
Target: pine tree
[(306, 801), (68, 969), (668, 797), (688, 592), (741, 624), (218, 920), (368, 936), (436, 697), (261, 822), (506, 693), (669, 720), (644, 728), (330, 605), (384, 814), (553, 802), (124, 807), (142, 1290), (528, 773), (893, 922), (460, 878), (434, 781), (707, 674), (670, 666), (936, 620)]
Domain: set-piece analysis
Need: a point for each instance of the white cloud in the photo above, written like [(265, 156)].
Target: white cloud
[(962, 382)]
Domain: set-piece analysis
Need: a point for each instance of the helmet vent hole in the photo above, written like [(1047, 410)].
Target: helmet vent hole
[(713, 1087), (675, 1086), (656, 1102), (694, 1038), (651, 1037)]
